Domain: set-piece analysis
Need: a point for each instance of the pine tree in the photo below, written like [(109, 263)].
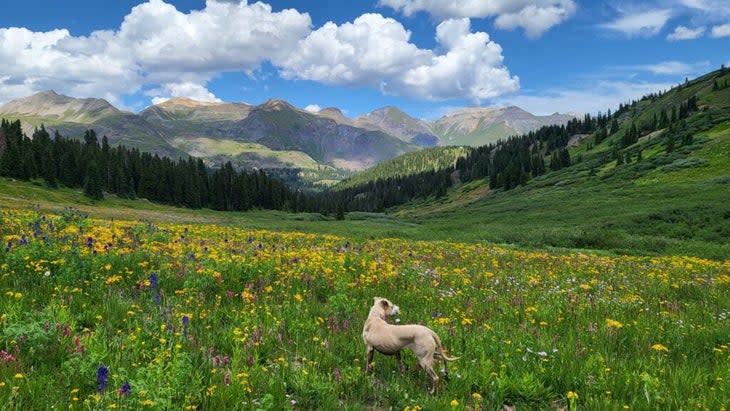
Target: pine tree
[(614, 127), (670, 143), (93, 183)]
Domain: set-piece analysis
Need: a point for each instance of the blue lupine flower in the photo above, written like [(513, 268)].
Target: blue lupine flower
[(153, 280), (102, 378)]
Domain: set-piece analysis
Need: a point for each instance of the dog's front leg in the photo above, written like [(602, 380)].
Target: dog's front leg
[(369, 364)]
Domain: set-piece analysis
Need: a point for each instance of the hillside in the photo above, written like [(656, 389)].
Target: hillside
[(431, 159), (481, 126), (395, 122), (667, 191), (472, 126), (276, 125)]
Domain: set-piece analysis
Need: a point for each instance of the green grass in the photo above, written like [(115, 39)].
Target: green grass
[(430, 159), (275, 320), (249, 154), (479, 137)]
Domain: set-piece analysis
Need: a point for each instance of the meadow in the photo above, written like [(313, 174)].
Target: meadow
[(125, 314)]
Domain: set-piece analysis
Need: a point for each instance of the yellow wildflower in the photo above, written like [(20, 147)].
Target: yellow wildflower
[(659, 347), (613, 323)]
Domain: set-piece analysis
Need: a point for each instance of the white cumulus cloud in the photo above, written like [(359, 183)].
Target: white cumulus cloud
[(184, 89), (163, 52), (375, 51), (313, 108), (156, 44), (534, 16), (685, 33)]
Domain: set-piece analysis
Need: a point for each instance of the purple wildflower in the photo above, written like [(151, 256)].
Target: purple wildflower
[(153, 280), (102, 378), (337, 375), (89, 242), (125, 389)]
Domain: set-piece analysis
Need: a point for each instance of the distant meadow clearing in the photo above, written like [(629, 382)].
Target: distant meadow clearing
[(102, 314)]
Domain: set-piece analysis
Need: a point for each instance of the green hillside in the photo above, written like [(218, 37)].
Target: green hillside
[(480, 136), (644, 197), (437, 158)]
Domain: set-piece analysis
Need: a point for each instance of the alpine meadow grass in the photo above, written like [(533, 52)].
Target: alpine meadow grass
[(124, 314)]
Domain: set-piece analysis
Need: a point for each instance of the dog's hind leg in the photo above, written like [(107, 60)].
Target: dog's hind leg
[(427, 365), (369, 363)]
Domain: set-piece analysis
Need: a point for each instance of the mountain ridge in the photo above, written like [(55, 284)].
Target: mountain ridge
[(174, 126)]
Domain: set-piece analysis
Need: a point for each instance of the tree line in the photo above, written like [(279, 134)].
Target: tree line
[(97, 167)]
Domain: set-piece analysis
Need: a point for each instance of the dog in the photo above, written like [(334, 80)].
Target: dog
[(391, 339)]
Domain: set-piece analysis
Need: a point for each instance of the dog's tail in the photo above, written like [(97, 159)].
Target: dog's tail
[(441, 348)]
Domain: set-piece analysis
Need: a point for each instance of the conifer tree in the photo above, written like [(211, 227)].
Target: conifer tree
[(614, 127), (93, 183)]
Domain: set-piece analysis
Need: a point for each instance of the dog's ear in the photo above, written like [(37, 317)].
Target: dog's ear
[(375, 299), (384, 303)]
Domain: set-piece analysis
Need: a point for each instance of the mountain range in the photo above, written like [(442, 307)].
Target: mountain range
[(273, 134)]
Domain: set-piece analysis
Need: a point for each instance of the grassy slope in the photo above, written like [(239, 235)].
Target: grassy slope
[(481, 136), (24, 195), (408, 164), (676, 203), (251, 153)]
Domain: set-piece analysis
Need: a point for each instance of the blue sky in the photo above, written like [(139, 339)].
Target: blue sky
[(425, 56)]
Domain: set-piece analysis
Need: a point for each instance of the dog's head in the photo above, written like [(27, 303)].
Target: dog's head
[(386, 306)]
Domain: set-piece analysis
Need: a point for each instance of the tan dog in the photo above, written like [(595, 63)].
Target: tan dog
[(391, 339)]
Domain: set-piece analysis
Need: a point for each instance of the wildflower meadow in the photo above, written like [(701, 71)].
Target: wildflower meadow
[(102, 314)]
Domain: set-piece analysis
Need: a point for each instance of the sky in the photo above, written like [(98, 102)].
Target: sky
[(427, 57)]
